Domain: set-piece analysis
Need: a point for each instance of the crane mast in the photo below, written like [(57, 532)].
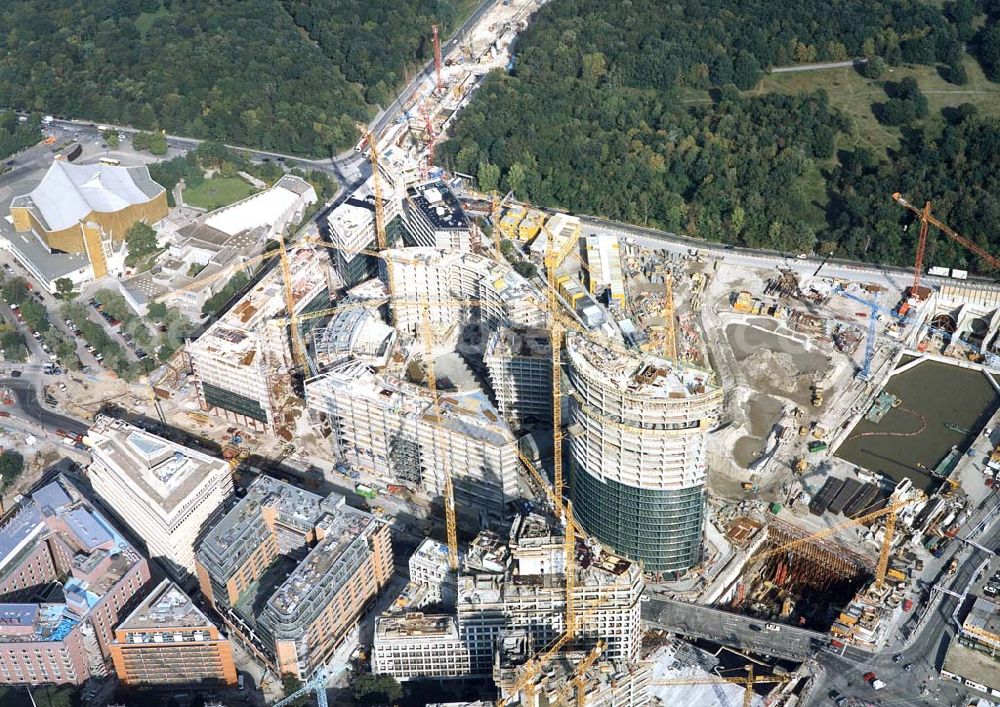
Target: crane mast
[(381, 240), (449, 490), (437, 58)]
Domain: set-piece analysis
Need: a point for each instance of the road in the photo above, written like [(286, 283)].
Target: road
[(818, 67), (731, 629)]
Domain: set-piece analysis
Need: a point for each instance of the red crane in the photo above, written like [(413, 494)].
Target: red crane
[(437, 56), (926, 219)]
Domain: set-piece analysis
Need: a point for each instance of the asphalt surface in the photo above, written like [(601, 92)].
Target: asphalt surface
[(28, 406)]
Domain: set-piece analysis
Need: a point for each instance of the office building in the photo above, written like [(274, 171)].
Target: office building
[(351, 226), (637, 442), (435, 218), (291, 572), (429, 569), (168, 640), (242, 363), (66, 577), (460, 289), (522, 588), (388, 427), (519, 363), (417, 645), (164, 492), (87, 210)]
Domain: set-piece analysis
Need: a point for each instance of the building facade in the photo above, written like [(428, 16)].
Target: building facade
[(164, 492), (167, 640), (88, 209), (242, 363), (66, 577), (435, 218), (459, 289), (519, 363), (387, 426), (291, 572), (637, 443), (417, 645)]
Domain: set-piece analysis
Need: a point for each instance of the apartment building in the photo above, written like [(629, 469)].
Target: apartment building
[(165, 492), (66, 577), (242, 362), (168, 640), (461, 288), (637, 443), (436, 219), (417, 645), (388, 426), (291, 572), (352, 226), (528, 593), (519, 364)]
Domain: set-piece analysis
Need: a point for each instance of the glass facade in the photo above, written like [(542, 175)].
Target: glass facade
[(660, 528), (234, 402)]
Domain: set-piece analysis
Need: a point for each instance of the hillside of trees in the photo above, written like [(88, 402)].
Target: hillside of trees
[(15, 135), (284, 75), (597, 117)]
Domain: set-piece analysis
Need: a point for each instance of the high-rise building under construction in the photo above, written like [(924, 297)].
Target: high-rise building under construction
[(637, 441)]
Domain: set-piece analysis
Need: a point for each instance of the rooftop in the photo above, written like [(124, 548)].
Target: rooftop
[(439, 206), (167, 473), (637, 375), (354, 331), (235, 334), (265, 208), (415, 625), (225, 542), (984, 616), (467, 412), (100, 557), (972, 665), (50, 265), (166, 607), (68, 192), (522, 343)]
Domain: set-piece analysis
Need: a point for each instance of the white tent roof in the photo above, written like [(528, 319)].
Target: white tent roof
[(69, 192)]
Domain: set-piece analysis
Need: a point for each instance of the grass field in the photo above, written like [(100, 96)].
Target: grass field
[(217, 192), (854, 94)]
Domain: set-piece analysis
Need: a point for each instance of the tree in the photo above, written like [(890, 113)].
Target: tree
[(111, 138), (157, 311), (290, 684), (141, 241), (873, 68), (64, 288), (11, 466), (488, 177), (377, 689), (158, 143), (746, 71), (525, 269), (14, 345)]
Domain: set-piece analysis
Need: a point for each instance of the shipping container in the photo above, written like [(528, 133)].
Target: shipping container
[(938, 271), (365, 491), (960, 274)]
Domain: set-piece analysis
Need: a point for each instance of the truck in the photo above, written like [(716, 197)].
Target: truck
[(365, 491), (395, 488), (873, 680), (47, 120)]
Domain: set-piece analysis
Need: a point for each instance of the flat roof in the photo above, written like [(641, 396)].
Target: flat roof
[(415, 626), (984, 616), (166, 607), (972, 665), (439, 205), (166, 472)]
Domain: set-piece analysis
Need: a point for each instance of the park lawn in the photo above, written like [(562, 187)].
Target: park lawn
[(854, 94), (217, 192)]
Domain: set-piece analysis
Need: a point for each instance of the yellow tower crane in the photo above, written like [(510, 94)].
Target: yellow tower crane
[(381, 240), (747, 682), (555, 342), (669, 327), (449, 490), (495, 217), (298, 348), (580, 673)]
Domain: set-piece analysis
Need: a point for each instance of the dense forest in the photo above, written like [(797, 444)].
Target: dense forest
[(598, 117), (284, 75), (16, 135)]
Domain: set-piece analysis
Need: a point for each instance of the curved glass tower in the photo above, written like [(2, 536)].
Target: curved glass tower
[(637, 444)]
